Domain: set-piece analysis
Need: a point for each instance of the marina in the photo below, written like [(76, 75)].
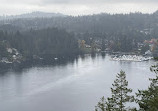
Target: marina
[(132, 58)]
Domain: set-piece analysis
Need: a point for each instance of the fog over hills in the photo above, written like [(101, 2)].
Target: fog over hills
[(98, 23), (36, 14)]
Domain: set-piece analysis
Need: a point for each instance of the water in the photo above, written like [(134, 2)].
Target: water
[(74, 86)]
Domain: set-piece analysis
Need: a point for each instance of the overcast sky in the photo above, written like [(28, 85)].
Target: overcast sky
[(77, 7)]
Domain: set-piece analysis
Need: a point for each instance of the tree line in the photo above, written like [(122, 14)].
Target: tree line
[(43, 43)]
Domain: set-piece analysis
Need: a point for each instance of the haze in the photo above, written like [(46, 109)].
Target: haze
[(77, 7)]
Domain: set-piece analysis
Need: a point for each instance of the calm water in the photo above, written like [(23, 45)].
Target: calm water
[(75, 86)]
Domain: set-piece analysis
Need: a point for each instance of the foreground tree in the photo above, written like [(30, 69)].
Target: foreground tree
[(148, 99), (120, 96), (101, 106)]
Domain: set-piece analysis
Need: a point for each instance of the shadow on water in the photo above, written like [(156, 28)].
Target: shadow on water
[(103, 54), (48, 62), (60, 61), (93, 56)]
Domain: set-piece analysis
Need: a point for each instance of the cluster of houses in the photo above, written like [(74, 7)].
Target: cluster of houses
[(153, 45), (94, 47), (97, 46), (12, 57)]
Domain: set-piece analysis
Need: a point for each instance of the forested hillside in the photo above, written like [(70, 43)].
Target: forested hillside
[(59, 35), (44, 43), (135, 27), (101, 23)]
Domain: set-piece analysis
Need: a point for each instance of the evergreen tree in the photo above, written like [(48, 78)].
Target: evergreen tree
[(120, 96), (101, 105), (148, 99)]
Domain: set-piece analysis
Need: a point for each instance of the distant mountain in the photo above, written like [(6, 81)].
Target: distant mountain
[(98, 24), (34, 15)]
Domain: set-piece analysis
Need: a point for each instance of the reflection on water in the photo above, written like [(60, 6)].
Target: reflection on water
[(74, 84)]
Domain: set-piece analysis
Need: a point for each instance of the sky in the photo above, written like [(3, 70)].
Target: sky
[(77, 7)]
